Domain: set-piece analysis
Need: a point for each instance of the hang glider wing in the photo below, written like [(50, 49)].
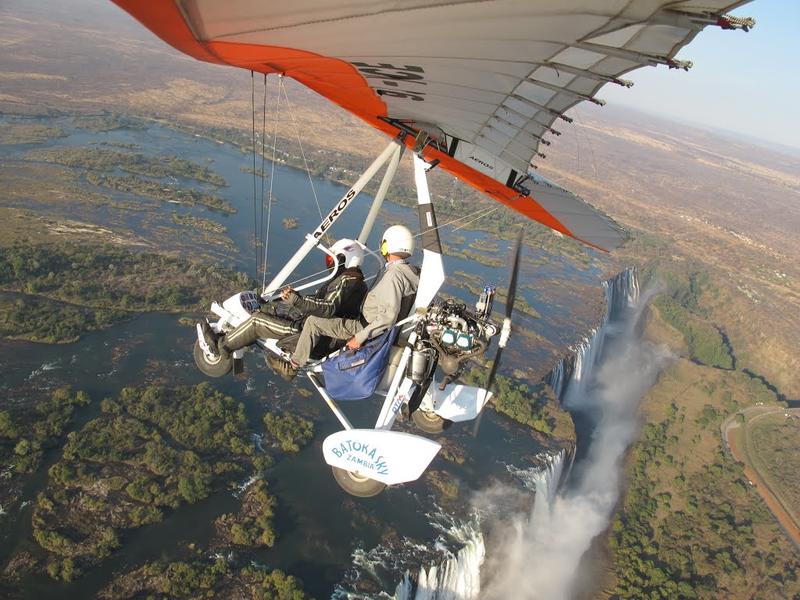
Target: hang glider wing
[(485, 79)]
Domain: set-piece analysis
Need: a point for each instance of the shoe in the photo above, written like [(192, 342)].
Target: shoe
[(282, 367), (209, 337)]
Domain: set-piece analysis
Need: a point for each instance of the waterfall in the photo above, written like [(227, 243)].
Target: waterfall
[(451, 564), (459, 576), (542, 481), (539, 555), (621, 292), (540, 552)]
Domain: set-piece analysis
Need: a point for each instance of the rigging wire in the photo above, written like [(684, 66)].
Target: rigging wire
[(271, 180), (255, 214), (485, 211), (300, 143), (478, 218), (263, 159)]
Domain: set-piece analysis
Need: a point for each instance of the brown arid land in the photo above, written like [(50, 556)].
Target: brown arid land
[(695, 200), (732, 207)]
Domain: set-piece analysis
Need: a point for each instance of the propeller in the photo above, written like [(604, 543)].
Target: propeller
[(505, 330)]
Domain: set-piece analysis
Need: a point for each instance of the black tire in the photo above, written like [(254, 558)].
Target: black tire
[(356, 485), (222, 366), (429, 422)]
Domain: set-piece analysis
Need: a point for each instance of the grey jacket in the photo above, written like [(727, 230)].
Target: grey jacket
[(384, 302)]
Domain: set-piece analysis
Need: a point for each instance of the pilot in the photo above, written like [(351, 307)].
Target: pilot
[(391, 297), (340, 296)]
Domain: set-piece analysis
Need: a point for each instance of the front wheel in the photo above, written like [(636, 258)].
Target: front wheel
[(429, 422), (213, 368), (357, 485)]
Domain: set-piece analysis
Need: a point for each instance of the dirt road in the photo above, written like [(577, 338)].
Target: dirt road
[(770, 496)]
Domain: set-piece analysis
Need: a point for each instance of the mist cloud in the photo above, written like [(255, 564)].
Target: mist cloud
[(537, 555)]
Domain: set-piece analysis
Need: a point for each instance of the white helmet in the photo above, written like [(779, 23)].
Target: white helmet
[(397, 240), (349, 254)]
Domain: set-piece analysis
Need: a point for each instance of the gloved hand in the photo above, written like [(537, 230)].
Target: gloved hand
[(289, 296)]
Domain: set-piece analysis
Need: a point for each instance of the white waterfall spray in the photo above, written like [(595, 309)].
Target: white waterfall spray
[(622, 293), (458, 577), (541, 552), (451, 564)]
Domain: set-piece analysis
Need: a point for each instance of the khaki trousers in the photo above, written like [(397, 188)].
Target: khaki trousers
[(316, 327)]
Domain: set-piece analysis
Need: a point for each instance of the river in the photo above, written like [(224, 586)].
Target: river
[(319, 527)]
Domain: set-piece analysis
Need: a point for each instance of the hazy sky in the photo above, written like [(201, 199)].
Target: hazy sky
[(744, 82)]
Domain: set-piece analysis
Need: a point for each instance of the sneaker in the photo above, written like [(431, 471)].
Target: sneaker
[(209, 337), (282, 367)]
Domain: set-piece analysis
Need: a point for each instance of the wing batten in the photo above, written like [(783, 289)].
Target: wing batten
[(494, 74)]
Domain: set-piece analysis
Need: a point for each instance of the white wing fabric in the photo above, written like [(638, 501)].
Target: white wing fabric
[(487, 80)]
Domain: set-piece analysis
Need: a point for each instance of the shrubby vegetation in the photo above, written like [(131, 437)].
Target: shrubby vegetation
[(252, 526), (472, 255), (704, 341), (103, 277), (198, 223), (445, 484), (108, 122), (28, 133), (153, 449), (290, 432), (775, 443), (516, 400), (41, 320), (691, 526), (199, 579), (655, 538), (147, 188), (106, 161), (25, 432)]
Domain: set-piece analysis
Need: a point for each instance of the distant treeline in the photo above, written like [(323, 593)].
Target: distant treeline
[(108, 276), (106, 161)]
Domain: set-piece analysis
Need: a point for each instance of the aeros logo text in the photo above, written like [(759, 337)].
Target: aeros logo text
[(334, 214)]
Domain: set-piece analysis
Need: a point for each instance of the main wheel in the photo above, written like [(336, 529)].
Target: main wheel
[(429, 422), (357, 485), (221, 366)]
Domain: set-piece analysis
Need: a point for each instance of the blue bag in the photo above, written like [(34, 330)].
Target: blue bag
[(354, 375)]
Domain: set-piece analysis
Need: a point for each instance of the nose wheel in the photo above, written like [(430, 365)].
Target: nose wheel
[(429, 421), (357, 485), (210, 366)]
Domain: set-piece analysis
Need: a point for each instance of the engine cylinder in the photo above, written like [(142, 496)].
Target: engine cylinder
[(418, 366)]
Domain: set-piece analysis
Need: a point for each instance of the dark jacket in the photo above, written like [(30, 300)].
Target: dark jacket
[(339, 297)]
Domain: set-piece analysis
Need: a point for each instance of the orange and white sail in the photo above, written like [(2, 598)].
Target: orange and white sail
[(487, 80)]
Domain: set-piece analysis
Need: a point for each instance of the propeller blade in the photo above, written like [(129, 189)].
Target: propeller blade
[(506, 330), (512, 282)]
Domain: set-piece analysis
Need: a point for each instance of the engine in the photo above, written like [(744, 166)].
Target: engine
[(450, 334)]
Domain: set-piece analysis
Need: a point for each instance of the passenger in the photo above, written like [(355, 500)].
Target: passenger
[(339, 297), (391, 297)]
